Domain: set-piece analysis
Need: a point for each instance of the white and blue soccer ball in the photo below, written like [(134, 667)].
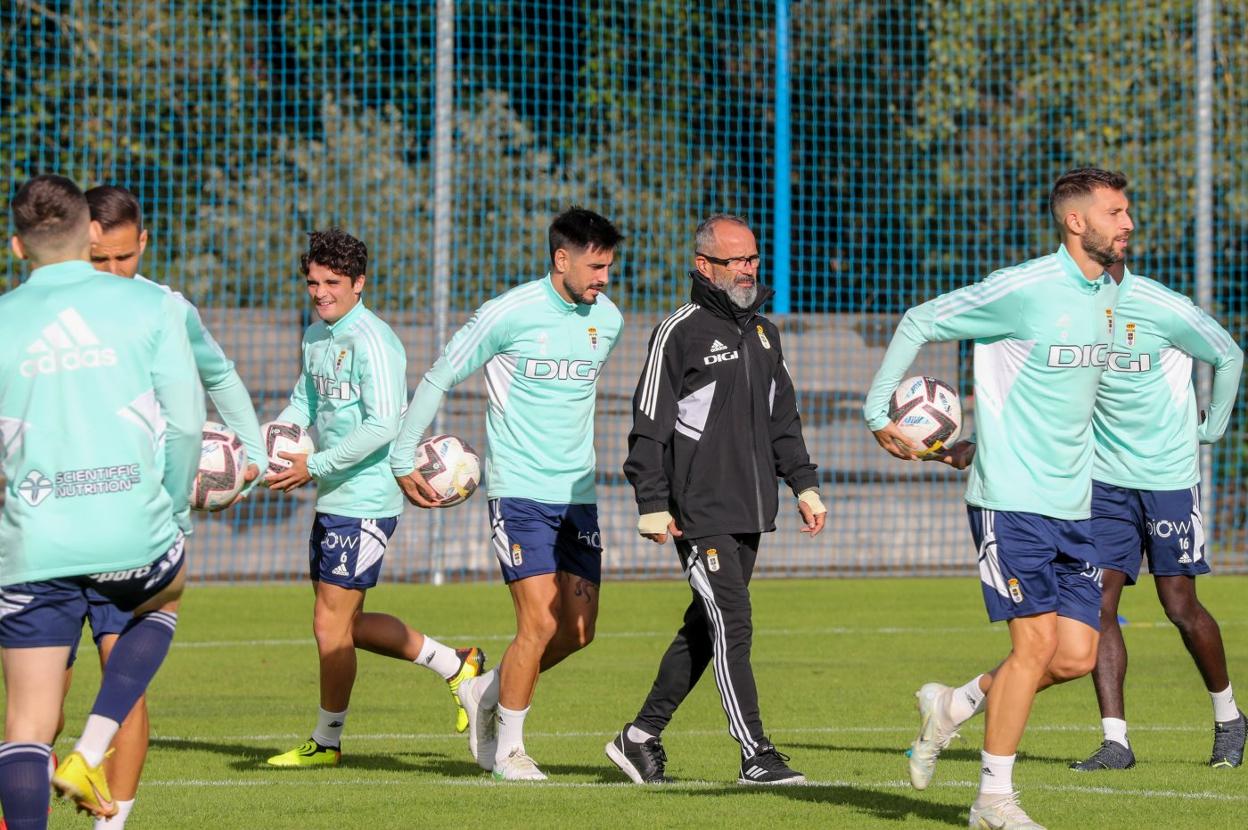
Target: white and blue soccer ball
[(287, 437), (927, 411), (451, 467), (222, 469)]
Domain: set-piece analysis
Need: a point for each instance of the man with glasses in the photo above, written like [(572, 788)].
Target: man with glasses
[(714, 420)]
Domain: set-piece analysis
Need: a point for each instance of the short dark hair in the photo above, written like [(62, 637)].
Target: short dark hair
[(48, 211), (114, 206), (583, 229), (336, 250), (1081, 182)]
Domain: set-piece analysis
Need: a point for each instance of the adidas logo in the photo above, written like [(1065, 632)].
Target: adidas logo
[(755, 772), (341, 570), (718, 347), (67, 344), (1185, 559)]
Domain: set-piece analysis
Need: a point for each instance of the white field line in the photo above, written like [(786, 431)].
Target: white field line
[(667, 634), (157, 739), (322, 781)]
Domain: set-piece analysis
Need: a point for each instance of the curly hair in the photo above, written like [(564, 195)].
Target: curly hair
[(337, 250)]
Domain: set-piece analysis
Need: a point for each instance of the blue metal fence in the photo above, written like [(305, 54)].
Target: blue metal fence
[(885, 151)]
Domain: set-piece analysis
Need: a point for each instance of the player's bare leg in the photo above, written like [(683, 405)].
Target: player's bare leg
[(1200, 632), (34, 680), (1110, 672), (578, 615), (538, 603), (333, 623), (386, 635), (1034, 643), (1203, 639)]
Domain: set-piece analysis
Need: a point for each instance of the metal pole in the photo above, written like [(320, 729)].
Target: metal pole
[(1204, 213), (443, 169), (783, 208)]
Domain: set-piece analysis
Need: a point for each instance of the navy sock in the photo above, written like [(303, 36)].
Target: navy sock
[(24, 785), (140, 650)]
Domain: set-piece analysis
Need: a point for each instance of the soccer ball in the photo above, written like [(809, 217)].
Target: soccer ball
[(928, 412), (222, 467), (451, 467), (284, 436)]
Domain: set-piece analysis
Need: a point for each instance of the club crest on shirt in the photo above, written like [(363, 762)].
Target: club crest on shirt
[(593, 337), (1130, 334), (762, 338), (1109, 320), (712, 559), (342, 355)]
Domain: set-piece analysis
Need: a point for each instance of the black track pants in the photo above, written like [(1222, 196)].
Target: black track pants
[(717, 630)]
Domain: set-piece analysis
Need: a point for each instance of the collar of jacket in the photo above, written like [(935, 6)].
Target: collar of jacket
[(715, 299)]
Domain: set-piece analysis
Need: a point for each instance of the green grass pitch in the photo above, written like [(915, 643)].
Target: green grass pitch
[(837, 663)]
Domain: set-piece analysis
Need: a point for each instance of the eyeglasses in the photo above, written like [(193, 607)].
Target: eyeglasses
[(735, 262)]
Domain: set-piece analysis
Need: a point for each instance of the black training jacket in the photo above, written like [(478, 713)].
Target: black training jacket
[(715, 419)]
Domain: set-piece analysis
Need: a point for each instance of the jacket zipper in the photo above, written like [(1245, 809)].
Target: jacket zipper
[(749, 388)]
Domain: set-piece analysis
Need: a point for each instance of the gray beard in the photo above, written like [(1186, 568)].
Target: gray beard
[(742, 297)]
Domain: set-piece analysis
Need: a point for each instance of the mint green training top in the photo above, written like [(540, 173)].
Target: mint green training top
[(101, 412), (1042, 334), (353, 388), (542, 357), (1145, 421), (226, 389)]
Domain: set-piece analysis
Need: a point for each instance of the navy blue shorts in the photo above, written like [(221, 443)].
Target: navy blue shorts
[(104, 618), (533, 537), (1031, 564), (50, 613), (1165, 525), (346, 551)]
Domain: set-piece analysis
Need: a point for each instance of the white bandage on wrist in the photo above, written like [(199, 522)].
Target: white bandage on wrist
[(811, 497), (654, 522)]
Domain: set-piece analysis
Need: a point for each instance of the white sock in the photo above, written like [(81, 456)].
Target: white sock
[(510, 732), (1115, 730), (489, 688), (329, 725), (118, 821), (96, 737), (996, 777), (637, 736), (439, 658), (1224, 707), (967, 701)]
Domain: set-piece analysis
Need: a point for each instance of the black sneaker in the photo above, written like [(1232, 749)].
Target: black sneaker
[(769, 767), (1228, 743), (1110, 755), (643, 762)]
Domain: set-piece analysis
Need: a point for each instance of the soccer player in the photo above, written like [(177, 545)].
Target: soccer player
[(1043, 332), (1146, 495), (101, 412), (121, 244), (715, 421), (543, 345), (352, 387)]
